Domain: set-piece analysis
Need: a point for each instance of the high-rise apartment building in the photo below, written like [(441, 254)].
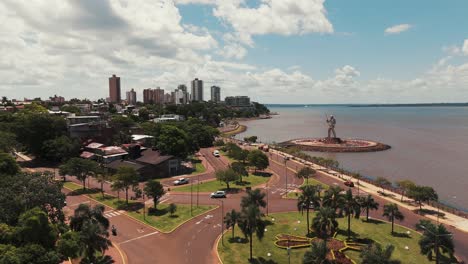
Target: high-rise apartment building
[(181, 96), (114, 89), (153, 96), (197, 90), (215, 94), (168, 98), (131, 97)]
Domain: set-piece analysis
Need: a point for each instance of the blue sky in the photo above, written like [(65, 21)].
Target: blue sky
[(313, 51)]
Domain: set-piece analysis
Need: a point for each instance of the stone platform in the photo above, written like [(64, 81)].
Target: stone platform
[(336, 145)]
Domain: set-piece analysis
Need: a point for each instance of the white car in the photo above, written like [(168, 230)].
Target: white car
[(216, 153), (218, 194), (181, 181)]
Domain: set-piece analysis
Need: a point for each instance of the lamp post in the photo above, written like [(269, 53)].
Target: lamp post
[(436, 242), (198, 187), (191, 198), (286, 172), (144, 207), (267, 198)]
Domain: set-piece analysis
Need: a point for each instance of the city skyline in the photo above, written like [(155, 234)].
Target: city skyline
[(315, 51)]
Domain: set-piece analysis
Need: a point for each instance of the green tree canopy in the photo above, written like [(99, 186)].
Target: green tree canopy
[(7, 141), (375, 254), (155, 190), (60, 149), (80, 168), (126, 178), (8, 165), (392, 212), (34, 228), (173, 141), (227, 176), (258, 159), (422, 194), (305, 173)]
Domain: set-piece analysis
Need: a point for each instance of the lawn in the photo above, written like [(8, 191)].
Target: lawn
[(312, 181), (72, 186), (162, 219), (198, 166), (116, 203), (231, 160), (211, 186), (235, 252)]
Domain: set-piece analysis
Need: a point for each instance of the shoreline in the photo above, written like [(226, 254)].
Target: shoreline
[(451, 209)]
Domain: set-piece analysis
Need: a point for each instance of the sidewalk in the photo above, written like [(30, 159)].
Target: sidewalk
[(449, 218)]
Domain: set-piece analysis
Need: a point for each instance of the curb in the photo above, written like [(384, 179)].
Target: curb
[(123, 256), (217, 244)]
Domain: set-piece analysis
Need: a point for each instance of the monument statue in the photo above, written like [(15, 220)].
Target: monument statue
[(331, 126)]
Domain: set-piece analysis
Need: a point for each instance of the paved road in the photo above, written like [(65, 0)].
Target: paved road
[(194, 241)]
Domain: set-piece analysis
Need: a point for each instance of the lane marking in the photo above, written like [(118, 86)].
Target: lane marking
[(133, 239)]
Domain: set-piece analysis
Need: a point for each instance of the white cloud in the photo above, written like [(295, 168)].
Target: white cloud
[(397, 29), (465, 47), (283, 17)]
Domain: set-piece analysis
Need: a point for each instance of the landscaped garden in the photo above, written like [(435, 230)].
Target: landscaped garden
[(215, 185), (236, 250)]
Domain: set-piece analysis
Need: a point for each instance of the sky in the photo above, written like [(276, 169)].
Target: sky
[(275, 51)]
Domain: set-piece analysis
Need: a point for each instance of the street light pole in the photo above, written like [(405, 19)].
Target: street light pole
[(267, 198), (144, 207), (191, 198), (286, 172), (198, 187)]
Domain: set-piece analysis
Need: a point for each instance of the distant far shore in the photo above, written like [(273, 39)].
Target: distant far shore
[(374, 105)]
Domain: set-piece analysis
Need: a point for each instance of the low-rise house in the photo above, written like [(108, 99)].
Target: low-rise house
[(168, 118)]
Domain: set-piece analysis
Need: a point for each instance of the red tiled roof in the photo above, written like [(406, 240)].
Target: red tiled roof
[(153, 157), (86, 155)]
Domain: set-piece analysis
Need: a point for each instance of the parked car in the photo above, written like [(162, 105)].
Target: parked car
[(218, 194), (216, 153), (349, 183), (181, 181)]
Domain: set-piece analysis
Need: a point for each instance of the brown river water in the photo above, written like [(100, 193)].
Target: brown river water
[(429, 144)]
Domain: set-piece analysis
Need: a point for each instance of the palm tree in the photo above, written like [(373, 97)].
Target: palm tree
[(305, 173), (231, 219), (317, 254), (85, 213), (102, 177), (351, 207), (333, 198), (255, 197), (435, 238), (374, 254), (391, 212), (309, 197), (93, 238), (251, 222), (324, 222), (368, 203)]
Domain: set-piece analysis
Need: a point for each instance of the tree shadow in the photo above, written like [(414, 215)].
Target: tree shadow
[(238, 240), (429, 212), (344, 232), (401, 234), (231, 190), (157, 212), (122, 205), (86, 191), (262, 260), (174, 216), (372, 221), (262, 173)]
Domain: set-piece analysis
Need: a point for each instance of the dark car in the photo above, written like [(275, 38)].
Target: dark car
[(349, 183)]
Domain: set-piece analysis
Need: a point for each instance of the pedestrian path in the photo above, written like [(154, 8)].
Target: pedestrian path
[(112, 213)]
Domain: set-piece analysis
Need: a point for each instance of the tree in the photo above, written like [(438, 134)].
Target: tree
[(8, 165), (240, 154), (435, 238), (69, 245), (102, 177), (173, 141), (253, 197), (126, 178), (251, 139), (92, 227), (172, 208), (305, 173), (34, 228), (368, 203), (240, 169), (375, 254), (422, 194), (154, 189), (143, 113), (7, 141), (310, 196), (60, 149), (392, 212), (231, 219), (80, 168), (103, 259), (258, 159), (351, 207), (227, 176), (317, 254), (86, 213), (251, 222), (324, 222), (382, 183), (405, 186), (333, 198)]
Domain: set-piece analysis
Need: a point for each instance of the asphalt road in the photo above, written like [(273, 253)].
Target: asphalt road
[(194, 241)]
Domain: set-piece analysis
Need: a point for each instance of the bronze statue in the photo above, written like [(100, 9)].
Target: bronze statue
[(331, 126)]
